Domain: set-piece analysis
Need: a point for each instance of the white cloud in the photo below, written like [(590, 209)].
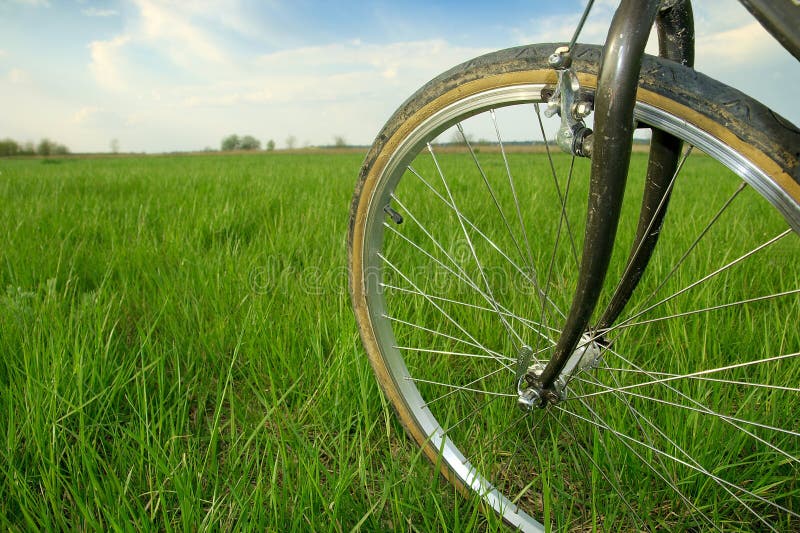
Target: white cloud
[(167, 26), (98, 118), (98, 12), (84, 114), (107, 60), (18, 76), (165, 31), (228, 14), (223, 100), (318, 92), (560, 28), (336, 73), (313, 93), (713, 16), (414, 59), (738, 46)]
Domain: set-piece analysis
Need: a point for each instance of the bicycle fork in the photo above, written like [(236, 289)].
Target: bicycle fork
[(610, 149)]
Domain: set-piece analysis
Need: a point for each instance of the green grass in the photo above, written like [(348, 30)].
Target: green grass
[(177, 352)]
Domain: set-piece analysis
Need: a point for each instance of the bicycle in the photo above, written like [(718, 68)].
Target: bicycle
[(644, 376)]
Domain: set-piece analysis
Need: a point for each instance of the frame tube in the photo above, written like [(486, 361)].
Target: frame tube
[(614, 102), (675, 26)]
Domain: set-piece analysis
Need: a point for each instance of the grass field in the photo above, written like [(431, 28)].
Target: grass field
[(177, 352)]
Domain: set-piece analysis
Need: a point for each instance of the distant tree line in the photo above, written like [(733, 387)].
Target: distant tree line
[(46, 147), (245, 142), (248, 142)]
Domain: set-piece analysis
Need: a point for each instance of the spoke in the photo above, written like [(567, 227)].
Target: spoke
[(561, 198), (704, 408), (518, 441), (446, 352), (492, 300), (647, 463), (483, 235), (469, 415), (544, 314), (468, 221), (457, 388), (462, 388), (513, 193), (625, 441), (656, 215), (442, 311), (525, 321), (637, 415), (690, 375), (445, 335), (615, 484), (701, 280), (694, 244), (703, 378), (497, 205), (690, 466), (461, 275), (512, 426), (707, 309), (562, 219)]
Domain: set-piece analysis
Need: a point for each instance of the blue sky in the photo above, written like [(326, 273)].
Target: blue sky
[(161, 75)]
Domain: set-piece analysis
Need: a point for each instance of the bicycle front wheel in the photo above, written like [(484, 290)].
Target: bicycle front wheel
[(465, 239)]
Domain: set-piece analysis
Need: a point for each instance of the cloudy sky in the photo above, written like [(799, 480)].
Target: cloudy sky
[(164, 75)]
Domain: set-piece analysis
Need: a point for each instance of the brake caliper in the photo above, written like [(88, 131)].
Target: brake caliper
[(571, 105)]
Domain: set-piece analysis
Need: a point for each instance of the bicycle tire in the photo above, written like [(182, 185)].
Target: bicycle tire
[(758, 146)]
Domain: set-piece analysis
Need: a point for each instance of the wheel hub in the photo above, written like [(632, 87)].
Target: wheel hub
[(531, 393)]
